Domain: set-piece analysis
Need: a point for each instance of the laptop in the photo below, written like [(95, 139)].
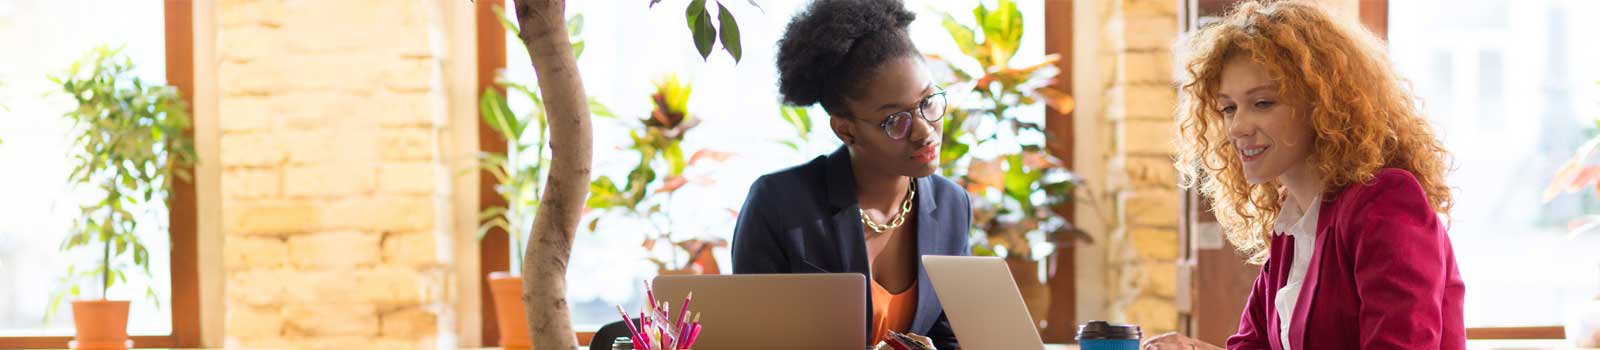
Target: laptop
[(983, 303), (777, 311)]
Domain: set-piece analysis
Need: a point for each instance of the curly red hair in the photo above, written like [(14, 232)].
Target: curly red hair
[(1361, 111)]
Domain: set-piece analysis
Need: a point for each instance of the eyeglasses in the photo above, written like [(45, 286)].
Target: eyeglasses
[(898, 125)]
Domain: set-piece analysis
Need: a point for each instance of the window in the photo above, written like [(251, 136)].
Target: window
[(38, 208), (1511, 91), (630, 45)]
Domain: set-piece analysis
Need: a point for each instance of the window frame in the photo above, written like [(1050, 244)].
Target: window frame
[(492, 245), (183, 223)]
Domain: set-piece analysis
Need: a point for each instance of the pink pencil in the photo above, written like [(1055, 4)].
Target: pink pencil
[(694, 333), (644, 323), (631, 329), (650, 294), (683, 311), (688, 333), (665, 328)]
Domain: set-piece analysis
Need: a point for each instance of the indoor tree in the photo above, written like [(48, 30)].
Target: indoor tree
[(542, 29), (132, 142)]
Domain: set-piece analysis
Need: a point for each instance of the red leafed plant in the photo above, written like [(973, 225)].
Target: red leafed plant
[(646, 193)]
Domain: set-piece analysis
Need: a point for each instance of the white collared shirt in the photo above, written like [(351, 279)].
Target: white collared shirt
[(1292, 221)]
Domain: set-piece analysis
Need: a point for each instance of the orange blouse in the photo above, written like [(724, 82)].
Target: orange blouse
[(892, 311)]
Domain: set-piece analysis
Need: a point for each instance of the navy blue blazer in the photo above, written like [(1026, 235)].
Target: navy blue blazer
[(806, 219)]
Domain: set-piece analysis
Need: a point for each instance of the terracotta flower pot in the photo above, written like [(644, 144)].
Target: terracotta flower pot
[(508, 311), (102, 324)]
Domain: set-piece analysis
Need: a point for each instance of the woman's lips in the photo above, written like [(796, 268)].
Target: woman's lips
[(926, 154), (1252, 153)]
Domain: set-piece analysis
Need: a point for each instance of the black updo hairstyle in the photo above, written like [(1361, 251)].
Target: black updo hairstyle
[(829, 50)]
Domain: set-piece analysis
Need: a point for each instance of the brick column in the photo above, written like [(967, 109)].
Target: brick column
[(331, 114), (1136, 114)]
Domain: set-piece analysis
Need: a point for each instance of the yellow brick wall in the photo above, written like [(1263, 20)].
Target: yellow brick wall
[(333, 219), (1142, 249)]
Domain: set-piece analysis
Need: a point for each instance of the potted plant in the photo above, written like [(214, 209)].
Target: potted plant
[(133, 142), (998, 154), (646, 193), (799, 119), (519, 174), (1583, 327)]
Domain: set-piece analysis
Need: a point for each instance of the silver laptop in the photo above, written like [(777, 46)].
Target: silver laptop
[(779, 311), (982, 302)]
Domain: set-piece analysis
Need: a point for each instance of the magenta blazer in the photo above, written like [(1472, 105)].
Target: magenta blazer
[(1382, 276)]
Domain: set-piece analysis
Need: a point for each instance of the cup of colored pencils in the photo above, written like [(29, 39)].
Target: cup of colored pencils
[(656, 331)]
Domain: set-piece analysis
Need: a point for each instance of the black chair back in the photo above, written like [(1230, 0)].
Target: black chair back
[(604, 337)]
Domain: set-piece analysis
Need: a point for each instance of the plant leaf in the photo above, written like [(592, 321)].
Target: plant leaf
[(730, 32), (638, 179), (713, 155), (603, 193), (516, 125), (505, 20), (489, 111), (963, 36), (986, 173), (500, 222), (979, 249), (575, 25), (804, 115), (700, 25), (672, 184), (674, 157), (151, 294), (951, 151), (787, 112), (599, 109), (1056, 99), (491, 212)]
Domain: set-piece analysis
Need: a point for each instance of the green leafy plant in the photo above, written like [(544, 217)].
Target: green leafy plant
[(798, 118), (646, 192), (519, 172), (133, 144), (1015, 184), (705, 33)]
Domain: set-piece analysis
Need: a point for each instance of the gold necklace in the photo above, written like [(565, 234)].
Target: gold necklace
[(899, 219)]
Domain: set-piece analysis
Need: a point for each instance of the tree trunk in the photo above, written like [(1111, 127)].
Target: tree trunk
[(544, 265)]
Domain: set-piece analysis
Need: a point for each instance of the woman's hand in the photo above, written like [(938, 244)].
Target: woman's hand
[(924, 342), (1175, 341)]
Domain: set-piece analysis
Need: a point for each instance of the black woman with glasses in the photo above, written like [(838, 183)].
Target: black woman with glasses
[(874, 206)]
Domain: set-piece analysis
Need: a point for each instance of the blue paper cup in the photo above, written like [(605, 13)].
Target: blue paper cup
[(1099, 335)]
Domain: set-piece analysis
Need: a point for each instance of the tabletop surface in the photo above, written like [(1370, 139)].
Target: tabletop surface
[(1471, 344)]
